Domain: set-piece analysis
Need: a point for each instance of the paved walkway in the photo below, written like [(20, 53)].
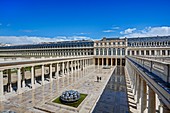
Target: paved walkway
[(39, 100), (114, 97)]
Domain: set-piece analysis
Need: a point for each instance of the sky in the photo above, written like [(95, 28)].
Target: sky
[(35, 21)]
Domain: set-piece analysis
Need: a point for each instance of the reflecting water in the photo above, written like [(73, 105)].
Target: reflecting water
[(114, 97)]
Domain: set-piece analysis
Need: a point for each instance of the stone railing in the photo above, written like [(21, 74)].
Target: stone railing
[(160, 68)]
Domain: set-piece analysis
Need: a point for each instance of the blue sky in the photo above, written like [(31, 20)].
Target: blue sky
[(54, 20)]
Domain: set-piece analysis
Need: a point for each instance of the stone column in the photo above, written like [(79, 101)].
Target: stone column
[(166, 52), (75, 66), (98, 61), (42, 75), (111, 62), (151, 103), (120, 61), (150, 53), (63, 68), (68, 67), (138, 89), (79, 64), (9, 81), (51, 71), (139, 52), (32, 77), (137, 86), (103, 51), (160, 52), (2, 97), (72, 66), (107, 61), (143, 100), (85, 63), (120, 51), (35, 75), (157, 102), (102, 62), (19, 81), (144, 52), (57, 71), (164, 108), (134, 79), (134, 52), (23, 77), (130, 52), (155, 52)]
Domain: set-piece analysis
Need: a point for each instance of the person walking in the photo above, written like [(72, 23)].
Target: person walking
[(98, 79)]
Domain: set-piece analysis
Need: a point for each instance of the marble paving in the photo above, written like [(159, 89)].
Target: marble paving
[(37, 101)]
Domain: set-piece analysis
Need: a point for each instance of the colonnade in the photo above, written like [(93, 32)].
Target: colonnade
[(149, 51), (62, 68), (109, 61), (147, 100)]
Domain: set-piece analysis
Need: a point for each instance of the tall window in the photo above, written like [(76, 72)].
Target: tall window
[(97, 51), (105, 51), (101, 51), (109, 51), (114, 51), (123, 51), (118, 51)]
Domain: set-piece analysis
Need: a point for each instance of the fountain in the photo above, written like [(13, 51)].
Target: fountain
[(70, 96)]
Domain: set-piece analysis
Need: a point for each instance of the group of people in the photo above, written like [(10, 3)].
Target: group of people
[(99, 78)]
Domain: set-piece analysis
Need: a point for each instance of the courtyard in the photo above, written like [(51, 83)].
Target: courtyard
[(40, 99)]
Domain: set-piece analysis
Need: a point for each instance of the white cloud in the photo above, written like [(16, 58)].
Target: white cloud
[(113, 29), (81, 33), (116, 28), (35, 40), (108, 31), (128, 31), (150, 31)]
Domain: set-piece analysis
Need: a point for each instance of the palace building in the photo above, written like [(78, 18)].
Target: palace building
[(144, 62)]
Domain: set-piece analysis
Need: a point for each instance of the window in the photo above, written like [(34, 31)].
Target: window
[(152, 52), (118, 43), (142, 52), (114, 51), (118, 51), (101, 51), (105, 51), (147, 52), (109, 51), (97, 51), (128, 52), (96, 44), (123, 51), (163, 52)]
